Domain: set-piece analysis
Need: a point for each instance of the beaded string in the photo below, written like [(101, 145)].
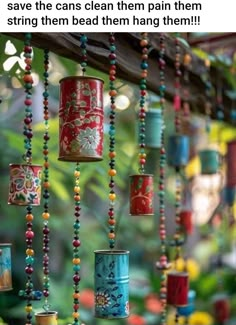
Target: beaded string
[(76, 247), (219, 103), (208, 96), (142, 101), (46, 185), (162, 264), (186, 107), (112, 131), (83, 47), (27, 294)]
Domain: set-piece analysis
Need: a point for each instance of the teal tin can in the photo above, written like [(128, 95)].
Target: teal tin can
[(178, 150), (5, 267), (210, 161), (153, 128), (190, 307), (111, 284), (229, 195)]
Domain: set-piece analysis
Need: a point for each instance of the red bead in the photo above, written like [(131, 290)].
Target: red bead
[(29, 234)]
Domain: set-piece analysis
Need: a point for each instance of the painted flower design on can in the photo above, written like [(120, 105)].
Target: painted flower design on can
[(102, 299)]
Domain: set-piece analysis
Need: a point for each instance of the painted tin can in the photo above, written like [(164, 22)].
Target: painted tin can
[(25, 184), (153, 128), (229, 195), (209, 160), (190, 307), (111, 284), (230, 164), (81, 119), (178, 150), (141, 194), (5, 267), (221, 307), (177, 288), (185, 220), (46, 318)]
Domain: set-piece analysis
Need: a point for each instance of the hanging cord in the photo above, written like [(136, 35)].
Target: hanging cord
[(46, 186), (162, 264), (142, 101), (112, 131), (208, 96), (83, 47), (28, 293)]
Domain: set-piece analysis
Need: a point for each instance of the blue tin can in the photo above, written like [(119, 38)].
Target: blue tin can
[(190, 307), (229, 195), (210, 161), (178, 150), (111, 284), (153, 128), (5, 267)]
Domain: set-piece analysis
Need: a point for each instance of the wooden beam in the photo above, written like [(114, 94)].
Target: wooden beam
[(129, 58)]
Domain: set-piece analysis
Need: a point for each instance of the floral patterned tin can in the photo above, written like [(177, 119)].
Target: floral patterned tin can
[(25, 184), (177, 288), (5, 267), (81, 119), (141, 194), (111, 284), (46, 318)]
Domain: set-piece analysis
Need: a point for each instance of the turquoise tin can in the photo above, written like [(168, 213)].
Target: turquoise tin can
[(153, 128), (229, 195), (190, 307), (210, 161), (178, 150), (111, 284), (5, 267)]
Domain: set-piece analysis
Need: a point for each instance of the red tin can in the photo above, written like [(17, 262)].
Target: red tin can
[(141, 194), (177, 288), (185, 220), (221, 306), (25, 184), (230, 163), (81, 119)]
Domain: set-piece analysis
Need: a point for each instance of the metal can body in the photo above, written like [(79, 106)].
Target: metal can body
[(209, 161), (153, 128), (111, 284), (229, 195), (221, 306), (177, 288), (81, 119), (25, 184), (141, 194), (185, 220), (5, 267), (46, 318), (178, 150), (230, 164)]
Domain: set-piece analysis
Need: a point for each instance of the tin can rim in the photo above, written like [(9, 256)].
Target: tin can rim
[(5, 244), (46, 313), (134, 175), (81, 77), (177, 273), (111, 251), (25, 164)]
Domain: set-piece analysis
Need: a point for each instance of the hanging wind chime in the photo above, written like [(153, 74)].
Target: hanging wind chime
[(178, 155), (80, 140), (46, 317), (111, 275), (141, 185), (25, 184), (162, 265)]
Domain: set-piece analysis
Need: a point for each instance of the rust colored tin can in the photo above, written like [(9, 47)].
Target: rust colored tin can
[(81, 119), (230, 163), (141, 194), (185, 220), (25, 184), (221, 306), (177, 288), (5, 267), (46, 318)]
